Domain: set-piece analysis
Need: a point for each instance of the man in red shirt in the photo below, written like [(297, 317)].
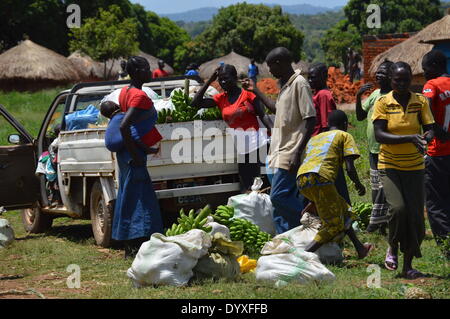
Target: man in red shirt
[(437, 163), (160, 73)]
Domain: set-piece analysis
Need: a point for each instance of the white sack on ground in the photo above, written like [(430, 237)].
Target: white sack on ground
[(6, 233), (169, 260)]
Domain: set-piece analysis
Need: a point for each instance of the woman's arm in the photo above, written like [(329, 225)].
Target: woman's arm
[(131, 117), (360, 113), (251, 86), (383, 137), (263, 116), (199, 100)]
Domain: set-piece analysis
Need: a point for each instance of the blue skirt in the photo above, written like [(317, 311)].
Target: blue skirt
[(136, 212)]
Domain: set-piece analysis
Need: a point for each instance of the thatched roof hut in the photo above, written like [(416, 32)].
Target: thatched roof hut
[(438, 31), (29, 66), (154, 62), (413, 49), (303, 66), (240, 63), (91, 70), (88, 69)]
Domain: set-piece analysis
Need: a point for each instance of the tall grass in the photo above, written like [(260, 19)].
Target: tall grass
[(28, 108)]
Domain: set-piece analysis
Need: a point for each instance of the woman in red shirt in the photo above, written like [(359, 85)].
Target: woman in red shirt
[(136, 214), (240, 110)]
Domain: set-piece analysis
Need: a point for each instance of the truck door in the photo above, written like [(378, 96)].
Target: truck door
[(19, 187)]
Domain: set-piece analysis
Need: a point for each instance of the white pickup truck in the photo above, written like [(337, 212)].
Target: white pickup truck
[(87, 172)]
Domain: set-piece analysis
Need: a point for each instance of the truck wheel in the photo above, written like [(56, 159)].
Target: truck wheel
[(35, 221), (101, 216)]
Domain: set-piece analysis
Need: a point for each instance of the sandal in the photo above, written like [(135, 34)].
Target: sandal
[(413, 274), (391, 261)]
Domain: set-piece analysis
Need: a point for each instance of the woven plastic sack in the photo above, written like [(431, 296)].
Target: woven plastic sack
[(169, 260), (220, 262), (6, 233), (301, 236), (292, 266), (255, 207)]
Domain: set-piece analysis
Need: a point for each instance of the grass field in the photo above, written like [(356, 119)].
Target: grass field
[(39, 261)]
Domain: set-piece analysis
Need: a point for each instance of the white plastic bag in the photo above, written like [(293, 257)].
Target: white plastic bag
[(302, 235), (163, 104), (294, 265), (6, 233), (169, 260), (217, 228), (255, 207)]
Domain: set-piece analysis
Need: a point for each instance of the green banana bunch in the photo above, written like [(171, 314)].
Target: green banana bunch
[(165, 116), (211, 114), (184, 112), (191, 221), (362, 212), (223, 214), (241, 229)]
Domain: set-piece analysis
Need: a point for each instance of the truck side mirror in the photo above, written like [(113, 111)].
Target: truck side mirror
[(14, 139)]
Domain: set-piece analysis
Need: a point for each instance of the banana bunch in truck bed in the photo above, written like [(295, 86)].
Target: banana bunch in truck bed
[(190, 221), (242, 229)]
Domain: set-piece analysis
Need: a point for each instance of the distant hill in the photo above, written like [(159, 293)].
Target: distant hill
[(205, 14)]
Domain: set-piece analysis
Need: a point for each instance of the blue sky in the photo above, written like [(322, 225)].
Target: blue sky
[(176, 6)]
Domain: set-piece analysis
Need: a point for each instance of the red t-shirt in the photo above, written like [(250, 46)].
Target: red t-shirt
[(158, 73), (438, 90), (324, 104), (240, 114), (137, 98)]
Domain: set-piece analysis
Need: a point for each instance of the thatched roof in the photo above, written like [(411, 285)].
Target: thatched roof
[(438, 31), (30, 61), (240, 63), (413, 49), (87, 68), (303, 66), (154, 62)]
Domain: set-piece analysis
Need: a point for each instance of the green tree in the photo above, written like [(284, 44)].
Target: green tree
[(337, 39), (396, 15), (45, 21), (315, 27), (250, 30), (158, 36), (42, 21), (108, 36)]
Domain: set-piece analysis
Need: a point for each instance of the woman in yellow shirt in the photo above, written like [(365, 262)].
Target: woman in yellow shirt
[(399, 119)]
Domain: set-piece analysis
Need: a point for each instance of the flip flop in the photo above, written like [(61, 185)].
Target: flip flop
[(413, 274), (391, 261)]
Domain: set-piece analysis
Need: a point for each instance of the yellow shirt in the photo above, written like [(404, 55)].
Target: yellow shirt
[(405, 156), (325, 153)]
